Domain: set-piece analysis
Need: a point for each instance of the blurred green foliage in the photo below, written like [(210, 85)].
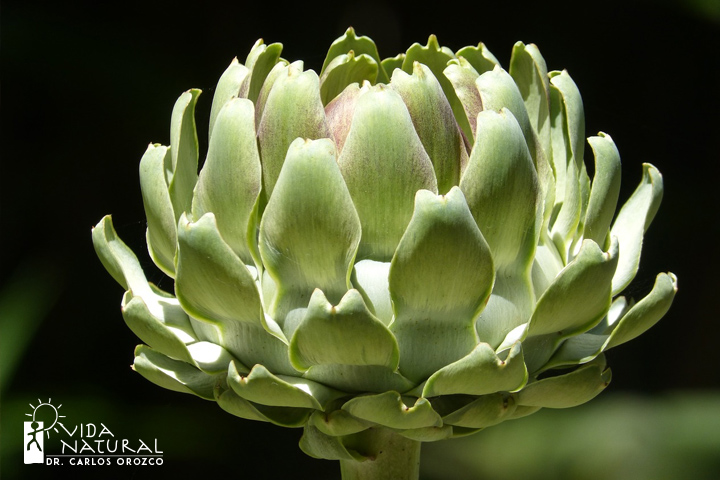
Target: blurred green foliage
[(25, 300), (621, 436), (707, 9)]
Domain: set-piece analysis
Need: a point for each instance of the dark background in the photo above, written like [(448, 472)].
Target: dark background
[(87, 85)]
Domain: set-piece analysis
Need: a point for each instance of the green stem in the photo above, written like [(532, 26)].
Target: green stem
[(391, 457)]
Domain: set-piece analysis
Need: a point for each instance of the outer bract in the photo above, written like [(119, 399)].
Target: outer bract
[(409, 248)]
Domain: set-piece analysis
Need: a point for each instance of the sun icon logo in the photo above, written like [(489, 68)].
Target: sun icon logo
[(48, 411)]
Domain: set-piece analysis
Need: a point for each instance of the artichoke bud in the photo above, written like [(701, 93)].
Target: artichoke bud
[(411, 243)]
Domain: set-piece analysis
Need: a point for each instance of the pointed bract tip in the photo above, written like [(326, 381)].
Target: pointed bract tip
[(418, 69)]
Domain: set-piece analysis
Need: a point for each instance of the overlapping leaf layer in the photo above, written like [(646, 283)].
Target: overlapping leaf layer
[(413, 243)]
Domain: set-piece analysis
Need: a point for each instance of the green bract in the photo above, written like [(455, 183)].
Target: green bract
[(413, 243)]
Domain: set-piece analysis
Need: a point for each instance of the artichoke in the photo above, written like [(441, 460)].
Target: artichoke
[(389, 252)]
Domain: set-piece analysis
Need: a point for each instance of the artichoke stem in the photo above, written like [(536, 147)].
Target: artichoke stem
[(390, 457)]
